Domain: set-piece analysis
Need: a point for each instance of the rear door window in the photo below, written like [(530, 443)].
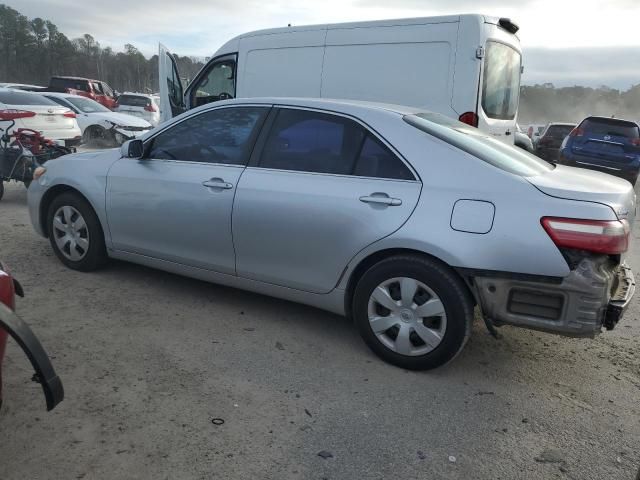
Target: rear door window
[(501, 81), (611, 127), (309, 141)]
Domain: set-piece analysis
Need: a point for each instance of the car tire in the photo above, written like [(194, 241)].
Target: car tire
[(414, 317), (1, 189), (75, 233)]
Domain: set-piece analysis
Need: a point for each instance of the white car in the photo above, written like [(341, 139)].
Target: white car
[(141, 105), (98, 123), (52, 120)]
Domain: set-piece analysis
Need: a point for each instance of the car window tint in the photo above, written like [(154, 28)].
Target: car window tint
[(610, 126), (559, 131), (134, 101), (312, 142), (217, 136), (376, 160)]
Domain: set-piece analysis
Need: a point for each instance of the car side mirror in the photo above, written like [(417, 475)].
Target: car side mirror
[(132, 148)]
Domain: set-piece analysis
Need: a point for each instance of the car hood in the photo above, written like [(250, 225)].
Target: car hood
[(121, 119), (589, 186)]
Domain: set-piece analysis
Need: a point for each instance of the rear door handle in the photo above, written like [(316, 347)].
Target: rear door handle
[(217, 183), (381, 199)]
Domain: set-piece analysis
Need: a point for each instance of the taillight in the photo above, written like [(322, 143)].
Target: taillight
[(576, 132), (150, 108), (470, 118), (13, 114), (635, 142), (599, 236), (69, 115)]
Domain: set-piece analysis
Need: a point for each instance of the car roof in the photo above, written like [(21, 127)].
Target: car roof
[(75, 78), (61, 95), (597, 117), (561, 124), (322, 103)]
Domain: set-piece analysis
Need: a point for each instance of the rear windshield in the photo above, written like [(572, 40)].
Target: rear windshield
[(17, 97), (134, 101), (501, 81), (69, 83), (86, 105), (610, 126), (479, 144), (558, 131)]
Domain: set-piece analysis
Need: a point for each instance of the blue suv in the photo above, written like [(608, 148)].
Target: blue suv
[(608, 145)]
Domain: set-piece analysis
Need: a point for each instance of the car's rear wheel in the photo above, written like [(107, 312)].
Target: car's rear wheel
[(412, 311), (75, 233), (95, 136)]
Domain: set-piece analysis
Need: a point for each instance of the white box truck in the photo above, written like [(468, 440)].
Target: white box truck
[(465, 66)]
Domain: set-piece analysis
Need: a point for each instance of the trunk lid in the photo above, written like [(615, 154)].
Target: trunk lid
[(47, 117), (588, 186)]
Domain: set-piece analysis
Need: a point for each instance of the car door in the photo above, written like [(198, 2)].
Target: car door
[(320, 188), (170, 85), (175, 203)]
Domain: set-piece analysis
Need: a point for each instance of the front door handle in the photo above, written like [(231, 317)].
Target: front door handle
[(217, 183), (381, 199)]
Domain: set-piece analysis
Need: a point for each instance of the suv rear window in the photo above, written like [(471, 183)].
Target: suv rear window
[(501, 81), (479, 144), (134, 101), (62, 83), (610, 126), (558, 131), (17, 97)]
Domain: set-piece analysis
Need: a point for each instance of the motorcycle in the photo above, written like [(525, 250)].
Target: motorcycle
[(23, 150)]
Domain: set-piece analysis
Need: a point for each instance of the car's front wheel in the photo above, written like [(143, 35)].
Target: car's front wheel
[(75, 233), (413, 311)]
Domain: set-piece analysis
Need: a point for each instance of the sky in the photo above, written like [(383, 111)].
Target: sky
[(565, 42)]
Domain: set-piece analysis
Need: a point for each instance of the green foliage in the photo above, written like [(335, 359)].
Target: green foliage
[(545, 103), (31, 51)]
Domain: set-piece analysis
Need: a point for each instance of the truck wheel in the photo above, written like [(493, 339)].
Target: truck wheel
[(75, 233), (413, 312)]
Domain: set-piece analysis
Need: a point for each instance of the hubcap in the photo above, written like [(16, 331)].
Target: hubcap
[(70, 233), (407, 316)]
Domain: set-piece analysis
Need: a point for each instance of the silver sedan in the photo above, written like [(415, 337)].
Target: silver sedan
[(401, 219)]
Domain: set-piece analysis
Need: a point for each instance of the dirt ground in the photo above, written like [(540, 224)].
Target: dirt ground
[(148, 359)]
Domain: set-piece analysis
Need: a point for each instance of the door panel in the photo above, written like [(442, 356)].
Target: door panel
[(162, 209), (300, 229)]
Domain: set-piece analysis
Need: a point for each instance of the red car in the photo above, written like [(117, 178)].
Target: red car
[(14, 326), (97, 90)]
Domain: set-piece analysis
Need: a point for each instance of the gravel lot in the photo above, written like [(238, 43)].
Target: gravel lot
[(148, 359)]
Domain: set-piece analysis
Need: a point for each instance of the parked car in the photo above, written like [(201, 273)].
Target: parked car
[(463, 66), (50, 119), (534, 131), (22, 86), (398, 239), (11, 324), (608, 145), (522, 140), (96, 90), (141, 105), (548, 145), (98, 123)]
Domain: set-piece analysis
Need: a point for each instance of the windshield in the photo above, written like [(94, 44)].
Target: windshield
[(16, 97), (475, 142), (501, 81), (86, 105)]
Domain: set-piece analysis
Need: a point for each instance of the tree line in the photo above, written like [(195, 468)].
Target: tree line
[(31, 51)]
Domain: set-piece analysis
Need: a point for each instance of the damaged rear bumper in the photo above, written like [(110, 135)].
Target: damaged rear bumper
[(594, 295)]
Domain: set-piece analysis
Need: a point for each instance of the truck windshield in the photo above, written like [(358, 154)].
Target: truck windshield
[(480, 145), (501, 81)]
